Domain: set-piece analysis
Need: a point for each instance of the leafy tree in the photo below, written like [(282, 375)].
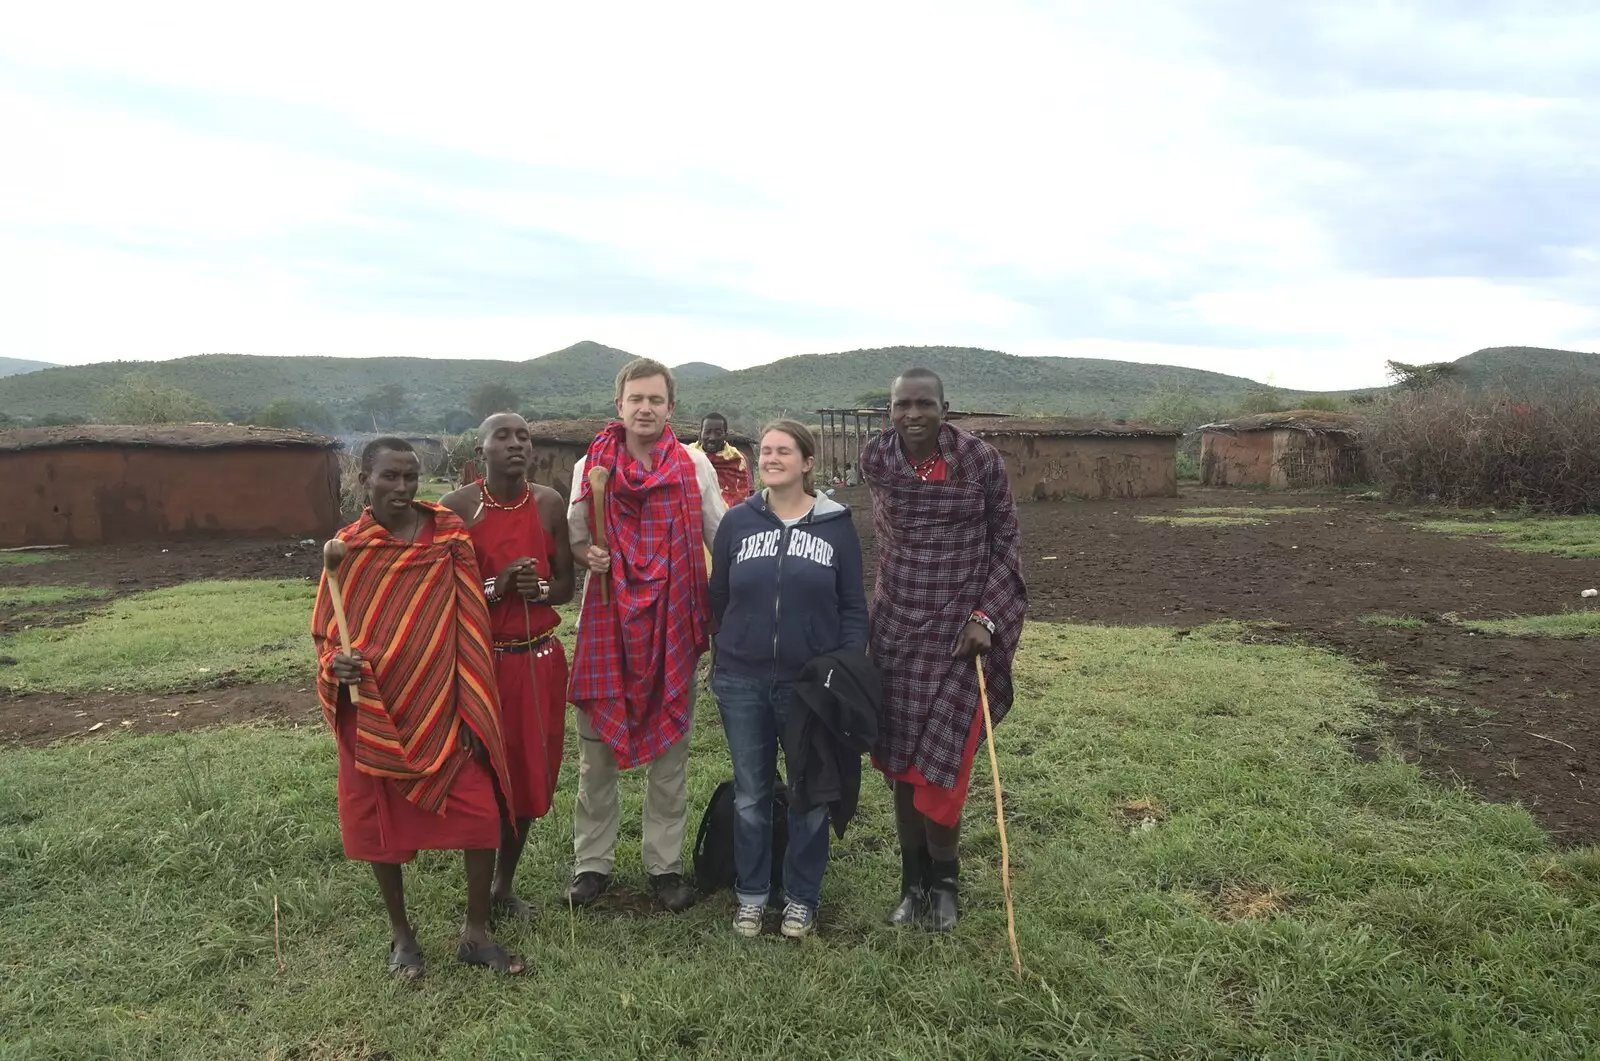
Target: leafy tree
[(136, 400), (490, 398), (871, 400), (1420, 377), (1174, 404), (1262, 400), (457, 421), (1322, 403), (383, 406), (296, 412)]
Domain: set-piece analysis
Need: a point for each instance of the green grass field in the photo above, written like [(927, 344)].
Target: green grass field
[(24, 596), (1201, 868), (1250, 510), (1203, 521), (190, 636), (1567, 624), (1402, 622), (17, 559), (1576, 536)]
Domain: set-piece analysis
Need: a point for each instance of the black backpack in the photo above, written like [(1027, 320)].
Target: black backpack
[(713, 844)]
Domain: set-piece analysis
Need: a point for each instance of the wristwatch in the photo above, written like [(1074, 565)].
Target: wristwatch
[(982, 620)]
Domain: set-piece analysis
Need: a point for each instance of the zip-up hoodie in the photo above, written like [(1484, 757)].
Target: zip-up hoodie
[(784, 595)]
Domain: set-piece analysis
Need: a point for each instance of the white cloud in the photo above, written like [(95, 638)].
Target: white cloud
[(1089, 181)]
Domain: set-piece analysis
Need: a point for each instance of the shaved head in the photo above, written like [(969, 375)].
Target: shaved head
[(488, 427)]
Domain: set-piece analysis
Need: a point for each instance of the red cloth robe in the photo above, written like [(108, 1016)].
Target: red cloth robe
[(377, 823), (532, 681)]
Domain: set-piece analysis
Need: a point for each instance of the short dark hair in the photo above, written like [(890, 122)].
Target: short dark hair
[(386, 444), (718, 417), (922, 373)]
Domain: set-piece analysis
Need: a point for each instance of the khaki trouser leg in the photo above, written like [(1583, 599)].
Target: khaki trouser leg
[(596, 816), (666, 809)]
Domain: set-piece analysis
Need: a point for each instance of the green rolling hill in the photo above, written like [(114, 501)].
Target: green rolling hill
[(577, 381)]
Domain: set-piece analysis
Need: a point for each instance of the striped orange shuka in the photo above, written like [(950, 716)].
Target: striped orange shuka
[(420, 623)]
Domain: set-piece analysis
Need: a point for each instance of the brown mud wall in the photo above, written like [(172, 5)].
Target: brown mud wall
[(1281, 460), (90, 494), (1082, 467)]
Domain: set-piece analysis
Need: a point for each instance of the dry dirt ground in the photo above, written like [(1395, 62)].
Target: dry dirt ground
[(1512, 717)]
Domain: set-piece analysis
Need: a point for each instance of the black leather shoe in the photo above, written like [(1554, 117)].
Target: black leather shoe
[(943, 911), (672, 891), (587, 887), (913, 888)]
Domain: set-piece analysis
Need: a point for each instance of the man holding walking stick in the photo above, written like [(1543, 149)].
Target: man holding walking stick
[(406, 681), (949, 590), (519, 536), (645, 622)]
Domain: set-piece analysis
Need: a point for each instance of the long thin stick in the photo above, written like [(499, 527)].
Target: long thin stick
[(276, 950), (333, 554), (598, 478), (1000, 818)]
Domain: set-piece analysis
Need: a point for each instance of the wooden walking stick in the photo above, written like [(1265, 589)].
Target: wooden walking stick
[(333, 554), (999, 817), (598, 478)]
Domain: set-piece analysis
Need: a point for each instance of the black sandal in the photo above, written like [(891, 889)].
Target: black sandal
[(510, 907), (492, 956), (405, 961)]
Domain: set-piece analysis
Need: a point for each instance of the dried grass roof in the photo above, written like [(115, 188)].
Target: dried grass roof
[(1064, 426), (582, 432), (163, 436), (1312, 421)]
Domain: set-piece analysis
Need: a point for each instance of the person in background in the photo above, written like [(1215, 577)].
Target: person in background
[(733, 471)]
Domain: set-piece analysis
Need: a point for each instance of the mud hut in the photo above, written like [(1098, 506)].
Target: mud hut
[(1068, 458), (557, 445), (1293, 450), (105, 483)]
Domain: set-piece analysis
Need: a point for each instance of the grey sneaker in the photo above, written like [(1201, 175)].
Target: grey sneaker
[(799, 920), (747, 919)]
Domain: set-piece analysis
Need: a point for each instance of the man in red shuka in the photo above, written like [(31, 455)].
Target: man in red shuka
[(645, 623), (733, 471), (519, 534), (412, 706), (949, 591)]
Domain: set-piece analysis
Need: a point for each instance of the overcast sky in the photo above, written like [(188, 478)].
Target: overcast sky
[(1288, 191)]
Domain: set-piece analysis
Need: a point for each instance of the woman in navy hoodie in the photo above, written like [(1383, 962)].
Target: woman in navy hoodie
[(785, 588)]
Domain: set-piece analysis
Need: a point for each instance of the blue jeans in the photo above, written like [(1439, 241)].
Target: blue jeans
[(754, 711)]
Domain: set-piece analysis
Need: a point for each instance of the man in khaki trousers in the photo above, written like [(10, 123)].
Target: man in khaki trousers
[(645, 622)]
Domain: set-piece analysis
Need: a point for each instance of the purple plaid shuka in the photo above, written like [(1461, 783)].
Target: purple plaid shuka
[(945, 549)]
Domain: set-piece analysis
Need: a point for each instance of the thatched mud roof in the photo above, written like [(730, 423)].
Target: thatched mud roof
[(163, 436), (1063, 427), (1311, 421)]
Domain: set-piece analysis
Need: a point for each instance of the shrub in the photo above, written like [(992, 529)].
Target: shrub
[(1447, 444)]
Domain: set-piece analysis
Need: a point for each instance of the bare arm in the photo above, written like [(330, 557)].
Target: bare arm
[(553, 514), (465, 502)]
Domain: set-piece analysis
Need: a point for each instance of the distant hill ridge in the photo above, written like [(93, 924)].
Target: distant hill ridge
[(15, 366), (577, 381)]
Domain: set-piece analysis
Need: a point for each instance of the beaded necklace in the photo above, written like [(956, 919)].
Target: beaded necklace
[(490, 502), (923, 469)]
